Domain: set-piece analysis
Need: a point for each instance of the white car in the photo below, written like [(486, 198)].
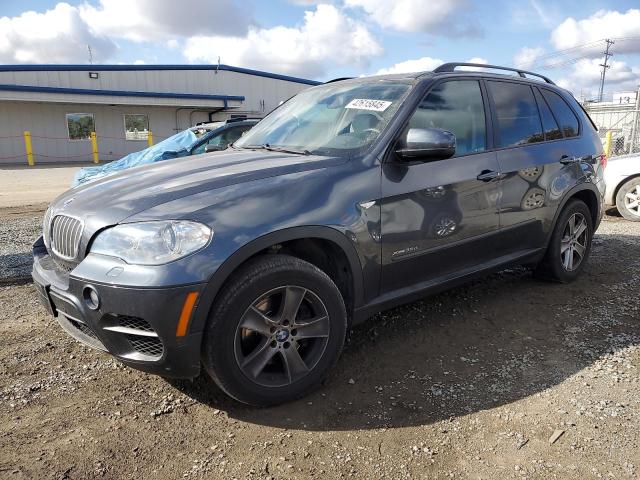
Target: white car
[(622, 177)]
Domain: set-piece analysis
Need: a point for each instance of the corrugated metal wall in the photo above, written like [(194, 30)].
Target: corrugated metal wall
[(46, 120), (48, 127), (208, 82)]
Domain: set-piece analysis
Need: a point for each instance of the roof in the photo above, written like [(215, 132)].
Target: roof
[(138, 68)]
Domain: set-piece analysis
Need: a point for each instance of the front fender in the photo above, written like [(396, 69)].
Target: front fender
[(232, 263)]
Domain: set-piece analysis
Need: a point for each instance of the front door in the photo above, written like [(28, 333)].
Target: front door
[(440, 217)]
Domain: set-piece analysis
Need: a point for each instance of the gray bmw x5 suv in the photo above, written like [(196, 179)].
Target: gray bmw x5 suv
[(352, 197)]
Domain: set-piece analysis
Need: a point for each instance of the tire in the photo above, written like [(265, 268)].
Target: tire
[(252, 350), (628, 200), (560, 263)]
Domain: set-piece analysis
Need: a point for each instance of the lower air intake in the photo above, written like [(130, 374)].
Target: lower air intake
[(149, 346)]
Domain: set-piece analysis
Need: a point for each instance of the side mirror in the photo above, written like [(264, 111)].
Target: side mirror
[(214, 148), (427, 144)]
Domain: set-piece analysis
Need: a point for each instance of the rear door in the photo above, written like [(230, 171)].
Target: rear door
[(438, 217), (530, 146)]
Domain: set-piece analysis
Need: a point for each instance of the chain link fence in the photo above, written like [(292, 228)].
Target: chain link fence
[(622, 120)]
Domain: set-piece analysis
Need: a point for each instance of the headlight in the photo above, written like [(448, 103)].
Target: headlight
[(152, 243)]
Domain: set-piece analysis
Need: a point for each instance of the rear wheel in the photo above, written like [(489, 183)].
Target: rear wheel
[(276, 331), (628, 200), (570, 244)]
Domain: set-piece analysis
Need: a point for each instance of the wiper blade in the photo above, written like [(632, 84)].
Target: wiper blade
[(275, 148)]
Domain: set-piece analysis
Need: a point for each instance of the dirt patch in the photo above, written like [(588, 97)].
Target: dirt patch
[(507, 377)]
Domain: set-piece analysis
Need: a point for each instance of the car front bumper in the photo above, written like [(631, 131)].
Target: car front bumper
[(135, 325)]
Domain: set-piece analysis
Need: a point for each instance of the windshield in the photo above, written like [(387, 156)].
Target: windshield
[(333, 119)]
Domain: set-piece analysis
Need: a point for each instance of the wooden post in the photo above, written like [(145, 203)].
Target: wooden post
[(28, 148), (94, 147)]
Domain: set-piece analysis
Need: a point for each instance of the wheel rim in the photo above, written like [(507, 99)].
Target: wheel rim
[(445, 227), (573, 246), (282, 336), (632, 200)]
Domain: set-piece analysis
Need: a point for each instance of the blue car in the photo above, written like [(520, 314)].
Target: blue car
[(207, 137)]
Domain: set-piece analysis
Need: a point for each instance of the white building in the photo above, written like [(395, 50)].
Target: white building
[(61, 104)]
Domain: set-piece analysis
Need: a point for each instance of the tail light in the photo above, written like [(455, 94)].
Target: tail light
[(603, 160)]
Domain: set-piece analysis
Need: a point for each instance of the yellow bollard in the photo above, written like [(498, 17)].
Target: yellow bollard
[(607, 143), (150, 138), (28, 148), (94, 147)]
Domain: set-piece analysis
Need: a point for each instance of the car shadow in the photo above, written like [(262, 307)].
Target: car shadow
[(486, 344)]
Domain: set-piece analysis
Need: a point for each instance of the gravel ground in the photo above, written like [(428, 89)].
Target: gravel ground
[(507, 377), (20, 227)]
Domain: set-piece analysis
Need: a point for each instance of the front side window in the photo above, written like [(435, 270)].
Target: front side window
[(564, 114), (136, 127), (455, 106), (517, 114), (333, 119), (80, 125)]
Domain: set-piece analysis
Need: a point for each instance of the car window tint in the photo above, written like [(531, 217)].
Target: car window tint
[(564, 114), (457, 107), (551, 128), (517, 114)]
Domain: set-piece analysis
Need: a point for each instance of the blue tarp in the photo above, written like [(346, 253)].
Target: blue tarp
[(179, 145)]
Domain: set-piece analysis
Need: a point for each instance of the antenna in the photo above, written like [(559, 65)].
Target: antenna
[(90, 54), (604, 67)]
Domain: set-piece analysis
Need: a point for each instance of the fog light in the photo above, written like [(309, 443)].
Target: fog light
[(91, 298)]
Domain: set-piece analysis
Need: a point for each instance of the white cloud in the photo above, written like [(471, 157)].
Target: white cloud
[(152, 20), (443, 17), (58, 35), (61, 35), (526, 57), (326, 36), (480, 60), (602, 24), (426, 64), (584, 77)]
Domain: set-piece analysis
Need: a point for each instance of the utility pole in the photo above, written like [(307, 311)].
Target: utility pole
[(90, 55), (604, 67)]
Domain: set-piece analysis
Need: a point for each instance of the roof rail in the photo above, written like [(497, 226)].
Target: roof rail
[(450, 67), (339, 79)]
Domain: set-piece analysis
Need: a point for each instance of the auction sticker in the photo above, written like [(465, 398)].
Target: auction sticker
[(369, 104)]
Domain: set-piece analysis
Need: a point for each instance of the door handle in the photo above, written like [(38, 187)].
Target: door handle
[(488, 175), (567, 160)]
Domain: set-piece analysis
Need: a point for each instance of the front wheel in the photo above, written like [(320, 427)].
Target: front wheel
[(628, 200), (570, 244), (277, 329)]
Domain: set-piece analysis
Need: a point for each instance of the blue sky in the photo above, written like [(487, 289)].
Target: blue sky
[(324, 40)]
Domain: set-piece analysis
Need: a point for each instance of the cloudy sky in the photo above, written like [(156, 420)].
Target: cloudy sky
[(323, 40)]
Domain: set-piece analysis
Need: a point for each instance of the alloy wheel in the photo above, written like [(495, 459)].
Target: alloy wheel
[(573, 246), (282, 336), (632, 200)]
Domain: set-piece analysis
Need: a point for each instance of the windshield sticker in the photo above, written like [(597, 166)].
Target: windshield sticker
[(369, 104)]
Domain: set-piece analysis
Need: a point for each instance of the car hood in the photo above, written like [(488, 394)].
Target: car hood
[(113, 199)]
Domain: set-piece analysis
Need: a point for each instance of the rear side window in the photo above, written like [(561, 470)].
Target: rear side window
[(517, 114), (567, 119), (551, 128), (455, 106)]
